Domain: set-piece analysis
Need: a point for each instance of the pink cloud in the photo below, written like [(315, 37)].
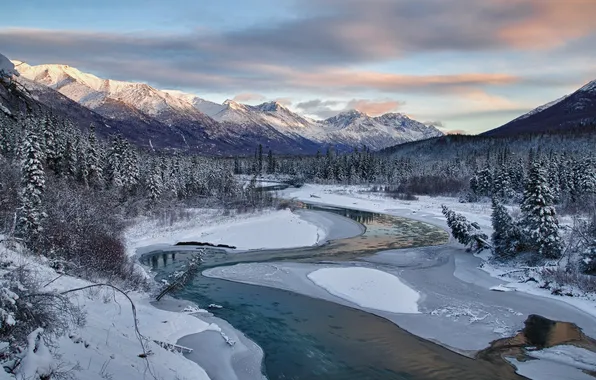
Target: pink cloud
[(551, 23), (249, 97), (374, 108)]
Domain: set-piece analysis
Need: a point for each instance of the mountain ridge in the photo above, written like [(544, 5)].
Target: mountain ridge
[(270, 123), (569, 112)]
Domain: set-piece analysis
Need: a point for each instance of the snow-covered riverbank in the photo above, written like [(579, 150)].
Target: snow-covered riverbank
[(266, 230), (458, 308), (107, 346)]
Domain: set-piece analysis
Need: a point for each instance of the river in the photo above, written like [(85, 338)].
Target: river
[(308, 338)]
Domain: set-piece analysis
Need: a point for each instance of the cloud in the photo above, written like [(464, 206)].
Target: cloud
[(319, 108), (248, 97), (334, 32), (439, 124), (374, 108), (187, 60), (284, 101), (455, 132), (328, 108), (551, 23)]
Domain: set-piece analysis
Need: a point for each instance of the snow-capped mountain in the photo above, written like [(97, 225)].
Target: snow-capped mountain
[(228, 124), (576, 110), (111, 98), (394, 127)]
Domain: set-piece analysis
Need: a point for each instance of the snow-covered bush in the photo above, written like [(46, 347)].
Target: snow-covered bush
[(30, 317), (83, 233), (584, 232)]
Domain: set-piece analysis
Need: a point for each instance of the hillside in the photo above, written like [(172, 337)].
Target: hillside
[(577, 110)]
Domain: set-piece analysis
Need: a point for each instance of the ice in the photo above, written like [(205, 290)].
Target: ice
[(368, 288)]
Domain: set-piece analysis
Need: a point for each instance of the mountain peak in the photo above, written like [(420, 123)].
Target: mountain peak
[(352, 113), (589, 87), (271, 106), (394, 115), (233, 105)]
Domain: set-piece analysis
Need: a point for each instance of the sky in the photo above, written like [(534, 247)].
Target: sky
[(465, 65)]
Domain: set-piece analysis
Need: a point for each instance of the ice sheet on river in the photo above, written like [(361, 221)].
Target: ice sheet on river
[(369, 288), (460, 313)]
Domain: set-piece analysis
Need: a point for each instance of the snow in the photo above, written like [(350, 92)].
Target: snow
[(38, 361), (280, 229), (569, 355), (107, 346), (560, 362), (7, 67), (502, 288), (268, 230), (589, 87), (368, 288), (428, 209), (541, 108), (269, 120)]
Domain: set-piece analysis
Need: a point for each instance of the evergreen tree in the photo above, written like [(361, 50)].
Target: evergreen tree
[(69, 160), (540, 223), (237, 167), (115, 163), (82, 172), (506, 235), (51, 148), (31, 213), (93, 161), (270, 163), (260, 159), (468, 234), (154, 184)]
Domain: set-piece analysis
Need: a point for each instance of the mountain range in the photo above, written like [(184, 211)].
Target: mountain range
[(566, 114), (173, 119)]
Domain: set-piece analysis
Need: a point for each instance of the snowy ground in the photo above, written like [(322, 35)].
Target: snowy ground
[(428, 209), (107, 347), (265, 230), (561, 362), (461, 306), (455, 304)]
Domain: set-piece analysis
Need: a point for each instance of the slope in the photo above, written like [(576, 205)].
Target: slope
[(570, 113)]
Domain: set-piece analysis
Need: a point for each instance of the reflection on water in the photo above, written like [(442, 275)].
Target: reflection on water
[(161, 260), (382, 232)]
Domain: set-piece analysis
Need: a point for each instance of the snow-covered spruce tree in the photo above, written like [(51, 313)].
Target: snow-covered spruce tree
[(506, 235), (155, 184), (482, 182), (93, 162), (468, 234), (540, 226), (50, 144), (31, 212), (585, 230)]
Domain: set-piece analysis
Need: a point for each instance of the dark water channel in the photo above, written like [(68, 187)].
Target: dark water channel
[(307, 338)]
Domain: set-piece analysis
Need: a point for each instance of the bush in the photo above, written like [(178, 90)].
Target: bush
[(83, 233), (25, 307), (557, 278)]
